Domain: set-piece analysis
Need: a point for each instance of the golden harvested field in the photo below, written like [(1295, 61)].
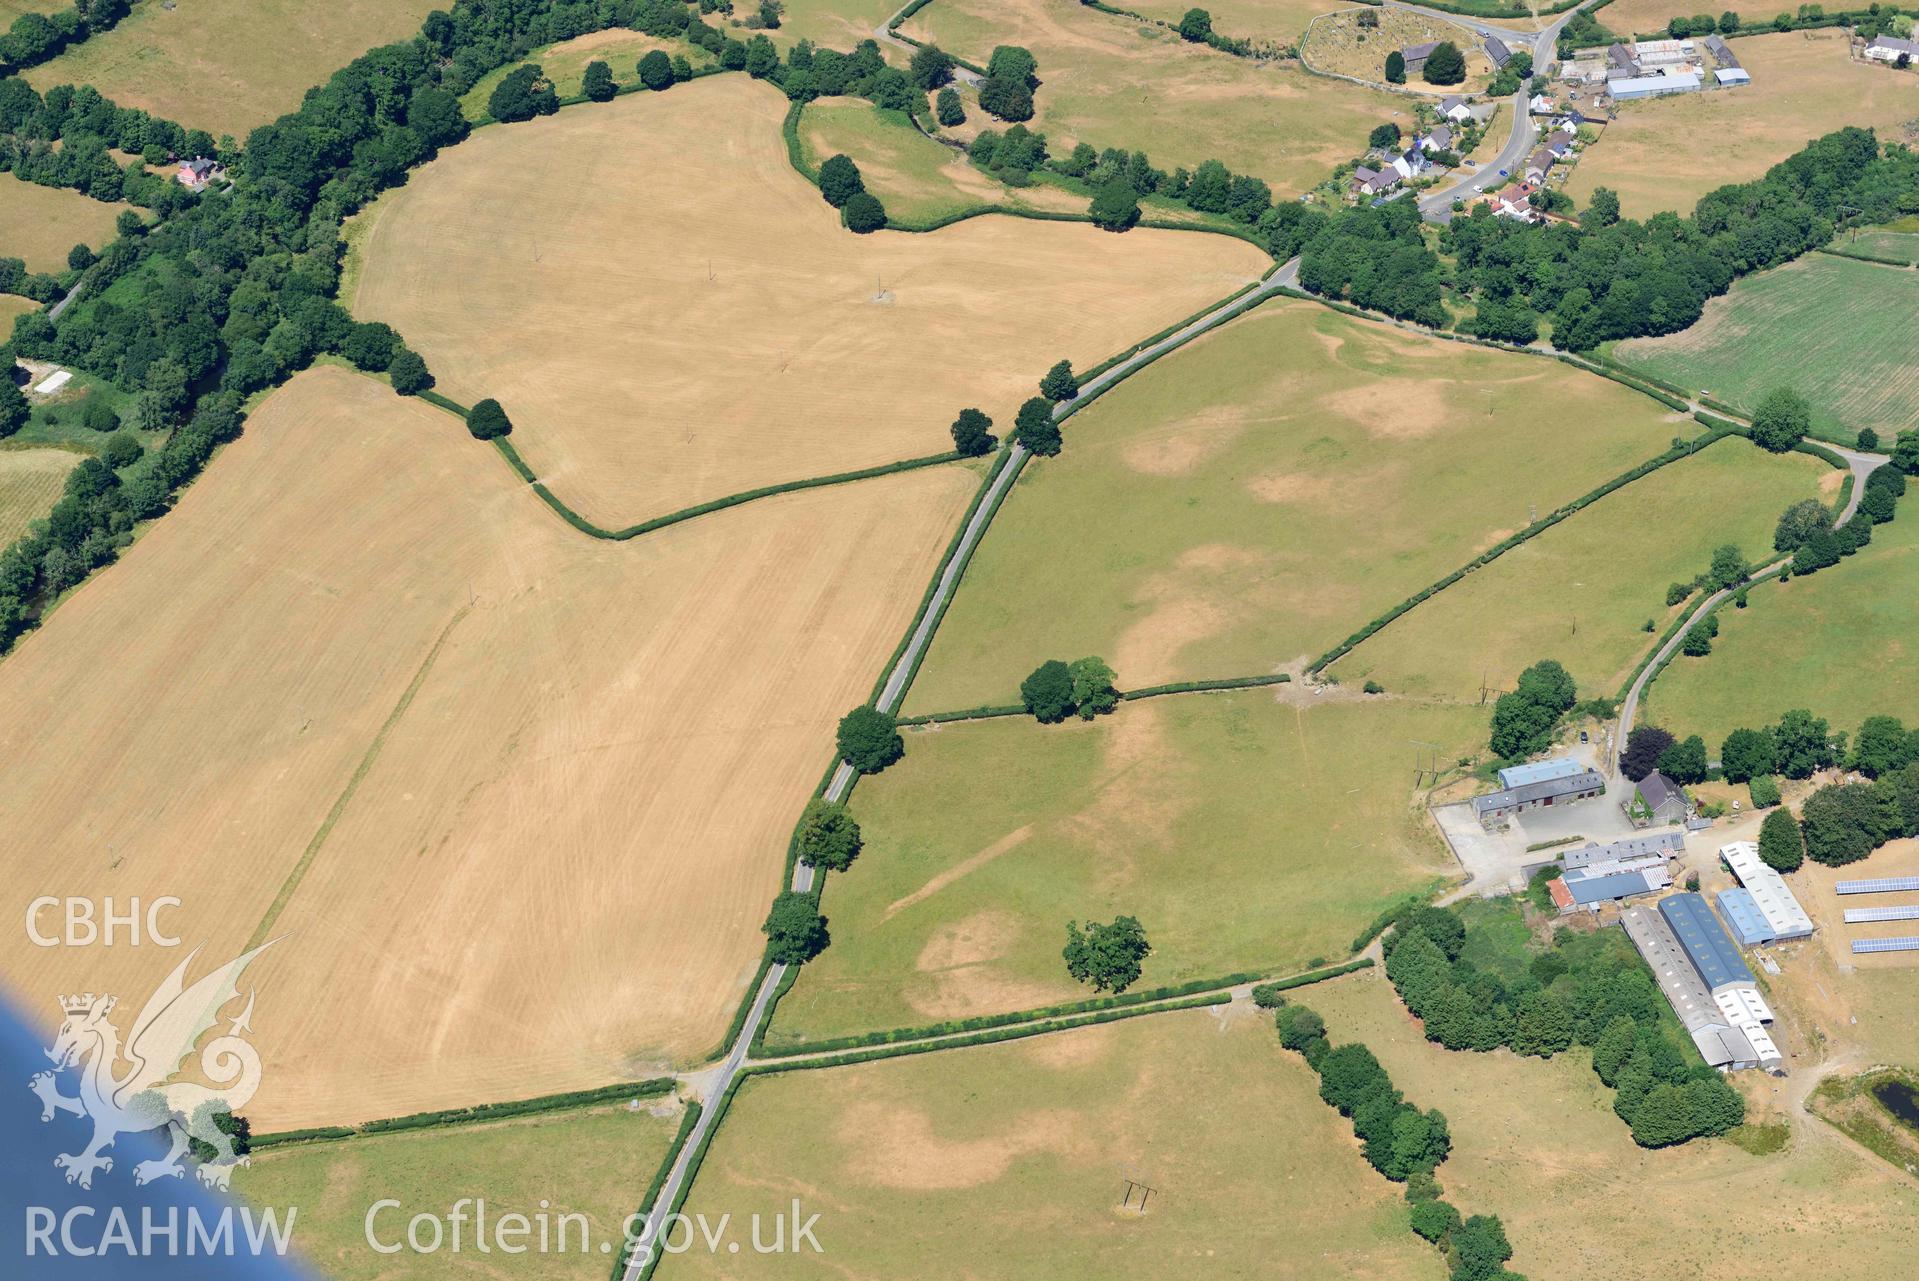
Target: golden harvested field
[(1581, 591), (913, 1164), (40, 224), (1537, 1143), (1112, 82), (1280, 21), (686, 319), (228, 65), (1337, 43), (12, 307), (514, 800), (31, 481), (1253, 499), (565, 63), (1665, 153), (593, 1162)]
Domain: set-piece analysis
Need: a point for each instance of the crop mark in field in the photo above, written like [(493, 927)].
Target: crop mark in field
[(340, 803)]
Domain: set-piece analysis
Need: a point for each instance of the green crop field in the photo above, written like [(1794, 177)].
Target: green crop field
[(1114, 82), (31, 481), (1010, 1161), (1538, 1144), (1244, 831), (591, 1161), (1255, 498), (1802, 643), (40, 224), (565, 63), (915, 177), (228, 65), (1898, 240), (1838, 331), (1582, 591)]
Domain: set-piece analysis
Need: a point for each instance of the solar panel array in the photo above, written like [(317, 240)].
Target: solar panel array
[(1886, 885), (1860, 915), (1907, 944)]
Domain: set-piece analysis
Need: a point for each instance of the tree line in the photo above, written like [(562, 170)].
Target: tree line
[(86, 126), (34, 38), (1589, 990)]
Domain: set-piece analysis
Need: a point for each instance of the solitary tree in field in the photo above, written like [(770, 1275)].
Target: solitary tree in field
[(931, 68), (656, 71), (1396, 68), (948, 108), (1059, 383), (1048, 692), (840, 180), (1107, 956), (1781, 421), (829, 837), (1115, 205), (80, 257), (1035, 428), (971, 433), (1445, 65), (863, 213), (869, 739), (597, 84), (1196, 26), (795, 930), (487, 421)]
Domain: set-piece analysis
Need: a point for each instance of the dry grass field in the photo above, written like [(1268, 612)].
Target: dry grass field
[(1281, 21), (40, 224), (11, 9), (1337, 43), (565, 63), (12, 307), (1113, 82), (1666, 153), (31, 481), (1246, 830), (686, 318), (832, 24), (1581, 591), (914, 1165), (1640, 17), (591, 1161), (515, 801), (1538, 1144), (1253, 499), (228, 65), (1840, 643), (1863, 1004)]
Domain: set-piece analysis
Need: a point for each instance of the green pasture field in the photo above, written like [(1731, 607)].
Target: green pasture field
[(228, 65), (1582, 591), (1843, 642), (1115, 82), (831, 24), (1900, 240), (927, 1166), (1245, 830), (40, 224), (31, 481), (565, 63), (11, 9), (916, 178), (1837, 331), (1253, 499), (1537, 1142), (594, 1161)]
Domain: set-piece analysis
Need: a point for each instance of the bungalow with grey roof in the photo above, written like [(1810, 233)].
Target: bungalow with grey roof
[(1455, 108)]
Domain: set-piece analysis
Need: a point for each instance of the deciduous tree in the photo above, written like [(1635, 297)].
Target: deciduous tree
[(863, 213), (1107, 956), (487, 421), (1781, 420), (795, 930), (971, 433), (1058, 384), (1644, 746), (1048, 692), (1781, 847), (1035, 428), (869, 739), (829, 836), (597, 82)]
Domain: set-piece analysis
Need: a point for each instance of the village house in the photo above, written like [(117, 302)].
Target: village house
[(1891, 49), (1372, 182), (1455, 108), (1513, 203), (1656, 802), (198, 174), (1438, 138)]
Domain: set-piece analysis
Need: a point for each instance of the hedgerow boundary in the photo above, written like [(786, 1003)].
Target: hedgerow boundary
[(996, 711), (651, 1088)]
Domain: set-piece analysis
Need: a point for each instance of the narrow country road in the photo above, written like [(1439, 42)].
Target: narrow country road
[(714, 1082), (1860, 464), (884, 34), (1437, 204)]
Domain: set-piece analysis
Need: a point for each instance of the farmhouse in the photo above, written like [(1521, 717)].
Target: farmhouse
[(1416, 55), (1455, 108), (199, 173), (1626, 88), (1892, 49), (1496, 50), (1656, 802), (1497, 808), (1780, 912)]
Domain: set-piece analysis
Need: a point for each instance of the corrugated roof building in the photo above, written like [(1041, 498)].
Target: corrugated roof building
[(1743, 915), (1540, 771), (1626, 88), (1497, 807), (1705, 941), (1786, 918), (1659, 844)]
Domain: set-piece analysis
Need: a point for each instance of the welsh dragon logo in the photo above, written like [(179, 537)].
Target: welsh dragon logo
[(145, 1097)]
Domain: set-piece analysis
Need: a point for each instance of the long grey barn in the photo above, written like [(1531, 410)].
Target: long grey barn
[(1495, 808)]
